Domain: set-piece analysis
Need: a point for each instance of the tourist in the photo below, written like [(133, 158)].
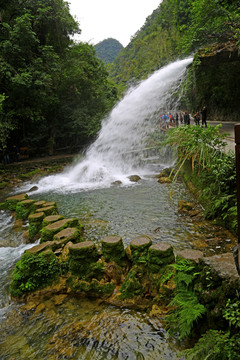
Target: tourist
[(16, 153), (186, 118), (197, 118), (204, 116)]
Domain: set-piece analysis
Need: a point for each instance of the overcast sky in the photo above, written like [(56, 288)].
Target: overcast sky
[(117, 19)]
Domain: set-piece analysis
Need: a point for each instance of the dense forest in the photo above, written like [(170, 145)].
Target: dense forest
[(53, 92), (108, 49)]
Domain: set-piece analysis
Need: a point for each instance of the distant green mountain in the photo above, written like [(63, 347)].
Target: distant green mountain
[(108, 49)]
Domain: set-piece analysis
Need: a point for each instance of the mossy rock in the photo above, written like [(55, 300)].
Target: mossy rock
[(48, 232), (82, 258), (160, 255), (35, 224), (113, 249), (11, 202), (24, 208), (68, 234), (134, 178), (48, 210), (184, 206), (51, 219), (40, 248), (34, 271), (92, 288), (139, 249), (39, 204), (133, 284)]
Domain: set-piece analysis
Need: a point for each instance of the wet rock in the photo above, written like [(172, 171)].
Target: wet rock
[(51, 219), (184, 206), (50, 230), (24, 208), (35, 224), (160, 255), (39, 204), (117, 182), (68, 234), (164, 180), (39, 248), (139, 249), (224, 265), (134, 178), (34, 188), (165, 173), (12, 201), (113, 248), (82, 256), (192, 255), (48, 210)]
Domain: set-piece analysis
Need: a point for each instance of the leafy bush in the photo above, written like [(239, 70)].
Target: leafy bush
[(33, 272)]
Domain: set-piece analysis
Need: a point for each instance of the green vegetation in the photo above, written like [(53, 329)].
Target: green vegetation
[(200, 156), (108, 49), (187, 308), (53, 92), (33, 272), (176, 29)]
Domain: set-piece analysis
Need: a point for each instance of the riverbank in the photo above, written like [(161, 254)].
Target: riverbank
[(15, 174)]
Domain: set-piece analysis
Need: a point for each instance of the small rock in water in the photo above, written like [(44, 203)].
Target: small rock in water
[(34, 188), (117, 182), (134, 178)]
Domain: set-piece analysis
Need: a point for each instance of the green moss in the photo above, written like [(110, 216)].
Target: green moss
[(133, 284), (33, 272), (35, 224), (24, 208), (11, 202), (48, 232), (113, 249), (83, 258), (91, 288), (139, 249)]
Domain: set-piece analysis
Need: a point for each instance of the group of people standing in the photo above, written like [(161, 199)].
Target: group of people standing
[(183, 118), (9, 156)]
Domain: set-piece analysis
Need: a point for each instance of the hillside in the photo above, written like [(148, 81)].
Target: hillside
[(177, 29), (108, 49)]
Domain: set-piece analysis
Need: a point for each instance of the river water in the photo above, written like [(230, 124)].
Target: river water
[(73, 328)]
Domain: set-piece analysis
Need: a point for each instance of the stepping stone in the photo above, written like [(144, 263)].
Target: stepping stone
[(113, 248), (139, 249), (12, 201)]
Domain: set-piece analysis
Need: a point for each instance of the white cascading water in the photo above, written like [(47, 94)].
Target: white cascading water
[(111, 157)]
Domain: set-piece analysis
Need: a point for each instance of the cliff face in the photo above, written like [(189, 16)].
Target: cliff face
[(213, 81)]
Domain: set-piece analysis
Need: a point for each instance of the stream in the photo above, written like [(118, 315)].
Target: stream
[(63, 327)]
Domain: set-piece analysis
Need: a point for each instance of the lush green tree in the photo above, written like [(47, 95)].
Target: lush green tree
[(38, 63)]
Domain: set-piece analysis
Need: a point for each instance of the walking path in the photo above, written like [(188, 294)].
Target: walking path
[(227, 127)]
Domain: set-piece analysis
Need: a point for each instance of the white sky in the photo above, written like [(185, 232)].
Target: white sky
[(117, 19)]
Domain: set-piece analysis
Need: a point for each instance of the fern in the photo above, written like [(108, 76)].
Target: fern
[(188, 310)]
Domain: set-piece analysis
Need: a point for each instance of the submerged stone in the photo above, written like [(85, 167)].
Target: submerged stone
[(113, 248), (24, 208), (139, 249), (12, 201)]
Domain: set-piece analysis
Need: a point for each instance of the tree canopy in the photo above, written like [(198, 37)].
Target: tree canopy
[(52, 90)]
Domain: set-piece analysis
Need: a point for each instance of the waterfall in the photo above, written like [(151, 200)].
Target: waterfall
[(123, 134)]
